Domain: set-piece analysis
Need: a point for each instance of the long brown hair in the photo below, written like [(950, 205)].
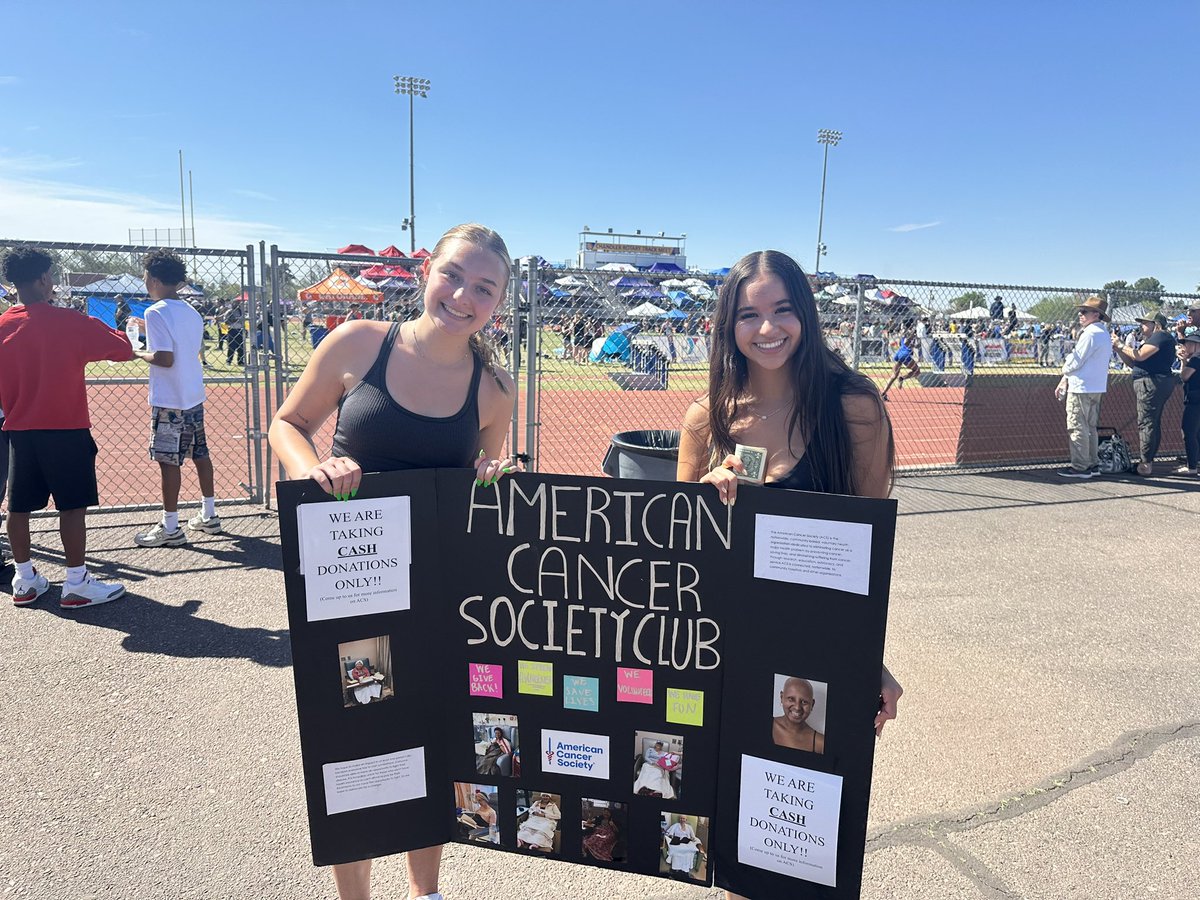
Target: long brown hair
[(480, 236), (821, 378)]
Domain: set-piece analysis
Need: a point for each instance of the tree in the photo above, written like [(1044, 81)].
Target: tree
[(1054, 308), (1148, 290), (967, 300)]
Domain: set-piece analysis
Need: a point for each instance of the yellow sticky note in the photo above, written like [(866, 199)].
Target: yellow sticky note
[(685, 707), (535, 678)]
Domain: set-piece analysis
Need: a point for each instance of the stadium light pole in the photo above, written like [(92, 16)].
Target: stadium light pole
[(413, 88), (829, 139)]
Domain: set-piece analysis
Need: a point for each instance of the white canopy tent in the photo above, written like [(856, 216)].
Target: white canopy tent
[(646, 311), (616, 267), (975, 312)]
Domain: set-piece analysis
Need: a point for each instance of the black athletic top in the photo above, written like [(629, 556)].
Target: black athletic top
[(1159, 363), (800, 478), (1191, 387), (382, 436)]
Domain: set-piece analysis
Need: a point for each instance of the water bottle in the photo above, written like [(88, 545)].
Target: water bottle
[(134, 334)]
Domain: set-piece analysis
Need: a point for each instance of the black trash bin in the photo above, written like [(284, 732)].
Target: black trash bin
[(650, 455)]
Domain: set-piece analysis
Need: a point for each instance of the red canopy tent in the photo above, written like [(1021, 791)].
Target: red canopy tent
[(357, 249), (393, 251), (379, 271), (421, 254)]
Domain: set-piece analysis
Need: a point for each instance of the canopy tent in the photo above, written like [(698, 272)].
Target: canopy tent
[(674, 314), (421, 254), (105, 309), (975, 312), (665, 267), (572, 281), (626, 281), (616, 267), (646, 311), (697, 282), (339, 288), (675, 283), (357, 250), (1025, 316), (1128, 315), (190, 290), (615, 346), (721, 272), (887, 297), (846, 301), (644, 293), (393, 251), (702, 292), (120, 284), (380, 271), (834, 290)]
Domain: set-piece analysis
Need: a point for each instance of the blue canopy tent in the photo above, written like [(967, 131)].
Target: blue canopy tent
[(664, 267), (629, 281), (674, 314), (722, 272), (105, 309), (644, 293), (684, 300), (616, 346)]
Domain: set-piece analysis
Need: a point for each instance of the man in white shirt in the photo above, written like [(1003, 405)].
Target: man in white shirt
[(1084, 382), (174, 333)]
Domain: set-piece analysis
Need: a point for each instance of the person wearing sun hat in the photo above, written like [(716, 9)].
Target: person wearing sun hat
[(1153, 381), (1084, 382)]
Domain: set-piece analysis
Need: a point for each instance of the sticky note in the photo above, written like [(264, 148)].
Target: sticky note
[(635, 685), (486, 679), (535, 678), (685, 707), (581, 692)]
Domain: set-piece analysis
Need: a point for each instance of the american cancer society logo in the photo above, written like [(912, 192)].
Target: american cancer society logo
[(575, 753)]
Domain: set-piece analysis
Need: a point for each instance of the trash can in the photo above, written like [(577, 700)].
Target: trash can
[(650, 455), (317, 334)]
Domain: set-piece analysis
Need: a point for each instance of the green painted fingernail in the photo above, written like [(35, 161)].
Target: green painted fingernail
[(478, 483), (480, 454), (354, 493), (509, 469)]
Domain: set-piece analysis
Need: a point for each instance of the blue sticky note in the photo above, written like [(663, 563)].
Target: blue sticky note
[(581, 692)]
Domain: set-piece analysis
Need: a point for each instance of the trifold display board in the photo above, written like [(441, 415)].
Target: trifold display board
[(624, 674)]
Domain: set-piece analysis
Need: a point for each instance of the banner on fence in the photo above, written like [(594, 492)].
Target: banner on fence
[(543, 666)]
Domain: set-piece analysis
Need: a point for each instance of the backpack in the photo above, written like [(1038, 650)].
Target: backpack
[(1114, 454)]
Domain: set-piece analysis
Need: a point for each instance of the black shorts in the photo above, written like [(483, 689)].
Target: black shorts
[(58, 463)]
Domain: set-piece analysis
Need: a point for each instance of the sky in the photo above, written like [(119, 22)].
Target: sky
[(1024, 143)]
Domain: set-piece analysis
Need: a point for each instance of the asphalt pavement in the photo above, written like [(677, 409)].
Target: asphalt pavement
[(1048, 744)]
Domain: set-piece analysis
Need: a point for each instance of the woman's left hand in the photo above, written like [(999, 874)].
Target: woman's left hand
[(891, 692), (488, 471)]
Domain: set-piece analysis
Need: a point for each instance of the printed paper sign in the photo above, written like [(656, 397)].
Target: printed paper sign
[(635, 685), (355, 556), (535, 678), (817, 552), (374, 780), (575, 753), (788, 820), (580, 692), (486, 680)]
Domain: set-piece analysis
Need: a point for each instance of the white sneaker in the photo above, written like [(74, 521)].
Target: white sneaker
[(208, 526), (90, 592), (158, 536), (26, 591)]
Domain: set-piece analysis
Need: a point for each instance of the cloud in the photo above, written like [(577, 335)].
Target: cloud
[(35, 162), (9, 79), (253, 195), (903, 229), (36, 209)]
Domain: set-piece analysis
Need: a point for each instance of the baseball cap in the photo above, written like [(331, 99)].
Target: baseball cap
[(1157, 318)]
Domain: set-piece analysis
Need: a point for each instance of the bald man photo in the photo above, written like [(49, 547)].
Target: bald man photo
[(792, 729)]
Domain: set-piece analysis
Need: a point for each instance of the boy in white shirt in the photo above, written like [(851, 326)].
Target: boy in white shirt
[(174, 334)]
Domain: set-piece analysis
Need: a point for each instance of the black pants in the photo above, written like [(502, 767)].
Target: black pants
[(4, 458), (1191, 434), (1152, 393), (235, 342)]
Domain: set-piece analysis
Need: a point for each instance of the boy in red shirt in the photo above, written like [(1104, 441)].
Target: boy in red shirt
[(43, 351)]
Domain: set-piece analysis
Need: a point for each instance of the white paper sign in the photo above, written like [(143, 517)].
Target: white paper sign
[(575, 753), (813, 551), (355, 556), (788, 820), (374, 780)]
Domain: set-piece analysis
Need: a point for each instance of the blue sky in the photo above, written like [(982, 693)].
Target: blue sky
[(1045, 143)]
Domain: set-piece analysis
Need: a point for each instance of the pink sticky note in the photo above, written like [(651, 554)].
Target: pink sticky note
[(635, 685), (487, 680)]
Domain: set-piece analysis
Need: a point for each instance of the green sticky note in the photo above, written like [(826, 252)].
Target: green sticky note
[(535, 678), (685, 707)]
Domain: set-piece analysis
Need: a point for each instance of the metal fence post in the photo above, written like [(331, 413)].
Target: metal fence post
[(858, 314), (531, 404), (251, 380)]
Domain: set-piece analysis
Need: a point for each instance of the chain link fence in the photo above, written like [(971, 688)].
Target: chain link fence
[(105, 281)]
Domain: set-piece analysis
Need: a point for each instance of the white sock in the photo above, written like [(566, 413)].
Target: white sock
[(76, 574), (25, 570), (171, 520), (210, 507)]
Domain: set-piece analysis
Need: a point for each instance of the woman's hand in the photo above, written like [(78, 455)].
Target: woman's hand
[(891, 692), (338, 475), (488, 471), (725, 478)]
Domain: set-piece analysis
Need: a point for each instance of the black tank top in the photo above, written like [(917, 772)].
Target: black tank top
[(382, 436), (800, 478)]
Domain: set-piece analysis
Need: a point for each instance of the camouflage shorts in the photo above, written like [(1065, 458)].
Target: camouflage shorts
[(177, 434)]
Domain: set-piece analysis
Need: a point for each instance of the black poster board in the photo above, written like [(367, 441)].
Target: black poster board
[(618, 637)]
